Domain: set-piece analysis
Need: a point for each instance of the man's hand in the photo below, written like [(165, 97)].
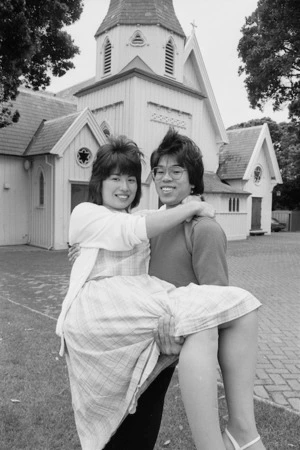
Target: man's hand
[(164, 336), (73, 253)]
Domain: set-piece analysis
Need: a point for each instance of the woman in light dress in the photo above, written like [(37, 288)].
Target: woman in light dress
[(112, 307)]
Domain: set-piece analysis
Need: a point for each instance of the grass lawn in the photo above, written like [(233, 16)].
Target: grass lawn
[(36, 412)]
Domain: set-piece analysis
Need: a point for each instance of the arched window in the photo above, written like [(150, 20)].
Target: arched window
[(41, 189), (106, 128), (169, 61), (257, 174), (238, 204), (230, 204), (107, 57)]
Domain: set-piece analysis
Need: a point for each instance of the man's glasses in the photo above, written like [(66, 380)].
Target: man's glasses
[(175, 172)]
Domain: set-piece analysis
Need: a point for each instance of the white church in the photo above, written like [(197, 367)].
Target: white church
[(149, 76)]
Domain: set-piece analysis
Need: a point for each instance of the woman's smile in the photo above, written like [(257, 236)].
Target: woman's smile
[(118, 191)]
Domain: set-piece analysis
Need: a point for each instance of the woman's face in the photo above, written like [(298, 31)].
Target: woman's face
[(172, 192), (119, 191)]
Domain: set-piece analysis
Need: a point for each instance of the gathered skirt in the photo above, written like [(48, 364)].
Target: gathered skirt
[(111, 351)]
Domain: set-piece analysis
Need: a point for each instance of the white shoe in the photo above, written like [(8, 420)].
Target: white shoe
[(236, 445)]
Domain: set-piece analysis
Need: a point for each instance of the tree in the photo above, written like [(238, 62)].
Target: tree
[(33, 45), (270, 51), (286, 141)]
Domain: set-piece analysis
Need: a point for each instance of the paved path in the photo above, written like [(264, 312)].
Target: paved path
[(269, 266)]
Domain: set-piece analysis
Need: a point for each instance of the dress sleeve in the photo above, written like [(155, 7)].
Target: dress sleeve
[(96, 226), (209, 246)]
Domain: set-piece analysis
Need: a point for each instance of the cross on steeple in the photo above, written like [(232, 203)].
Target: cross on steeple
[(194, 26)]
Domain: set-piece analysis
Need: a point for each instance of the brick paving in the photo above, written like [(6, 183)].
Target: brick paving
[(268, 266)]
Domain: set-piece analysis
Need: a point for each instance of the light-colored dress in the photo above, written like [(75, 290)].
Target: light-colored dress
[(107, 323)]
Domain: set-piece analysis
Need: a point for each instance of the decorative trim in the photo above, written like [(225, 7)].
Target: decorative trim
[(164, 114), (137, 39), (104, 108)]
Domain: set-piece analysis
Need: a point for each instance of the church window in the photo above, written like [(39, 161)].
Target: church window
[(84, 157), (169, 61), (41, 189), (107, 57), (257, 174), (234, 204), (105, 127), (137, 39)]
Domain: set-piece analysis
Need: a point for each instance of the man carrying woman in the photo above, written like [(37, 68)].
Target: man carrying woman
[(113, 305)]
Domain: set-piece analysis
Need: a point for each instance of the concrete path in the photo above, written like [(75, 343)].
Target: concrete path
[(268, 266)]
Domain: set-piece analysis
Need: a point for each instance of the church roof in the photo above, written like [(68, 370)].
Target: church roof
[(235, 156), (142, 12), (34, 107), (49, 133), (137, 63), (213, 185)]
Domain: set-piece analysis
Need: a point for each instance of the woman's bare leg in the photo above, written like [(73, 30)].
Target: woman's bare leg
[(237, 358), (198, 384)]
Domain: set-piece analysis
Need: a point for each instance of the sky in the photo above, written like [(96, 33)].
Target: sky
[(218, 24)]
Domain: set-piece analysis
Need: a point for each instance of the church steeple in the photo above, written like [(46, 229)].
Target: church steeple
[(142, 12), (145, 31)]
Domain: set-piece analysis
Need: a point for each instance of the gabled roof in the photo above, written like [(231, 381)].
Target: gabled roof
[(84, 118), (34, 108), (213, 185), (141, 12), (192, 51), (137, 63), (235, 156), (238, 158), (144, 74), (69, 92), (49, 134)]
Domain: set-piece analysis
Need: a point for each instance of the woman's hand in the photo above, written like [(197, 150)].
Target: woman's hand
[(205, 209), (73, 253), (164, 336)]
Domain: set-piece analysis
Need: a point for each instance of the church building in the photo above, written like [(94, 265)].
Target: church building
[(149, 76)]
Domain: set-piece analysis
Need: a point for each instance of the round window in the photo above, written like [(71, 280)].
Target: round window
[(257, 174), (84, 157)]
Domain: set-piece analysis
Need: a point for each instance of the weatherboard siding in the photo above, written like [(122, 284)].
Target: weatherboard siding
[(14, 197), (68, 171)]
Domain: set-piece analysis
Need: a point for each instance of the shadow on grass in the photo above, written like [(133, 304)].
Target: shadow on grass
[(36, 412)]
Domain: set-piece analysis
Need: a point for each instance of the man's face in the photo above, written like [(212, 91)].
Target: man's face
[(171, 192)]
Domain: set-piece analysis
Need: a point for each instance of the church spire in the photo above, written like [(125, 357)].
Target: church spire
[(142, 12)]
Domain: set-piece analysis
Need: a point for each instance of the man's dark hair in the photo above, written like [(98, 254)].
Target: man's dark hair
[(188, 155), (119, 155)]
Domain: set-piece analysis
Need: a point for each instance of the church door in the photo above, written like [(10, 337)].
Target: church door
[(256, 213), (79, 194)]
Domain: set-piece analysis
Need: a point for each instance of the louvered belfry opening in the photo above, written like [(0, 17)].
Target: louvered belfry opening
[(107, 57), (169, 61)]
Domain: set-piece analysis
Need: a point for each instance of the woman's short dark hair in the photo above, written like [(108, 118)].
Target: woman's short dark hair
[(119, 154), (188, 155)]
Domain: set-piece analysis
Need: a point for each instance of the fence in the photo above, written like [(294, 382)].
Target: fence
[(290, 218)]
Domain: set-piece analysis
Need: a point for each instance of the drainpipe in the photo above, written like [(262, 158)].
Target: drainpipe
[(48, 163)]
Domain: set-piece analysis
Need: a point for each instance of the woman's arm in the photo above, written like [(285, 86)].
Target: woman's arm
[(162, 221)]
